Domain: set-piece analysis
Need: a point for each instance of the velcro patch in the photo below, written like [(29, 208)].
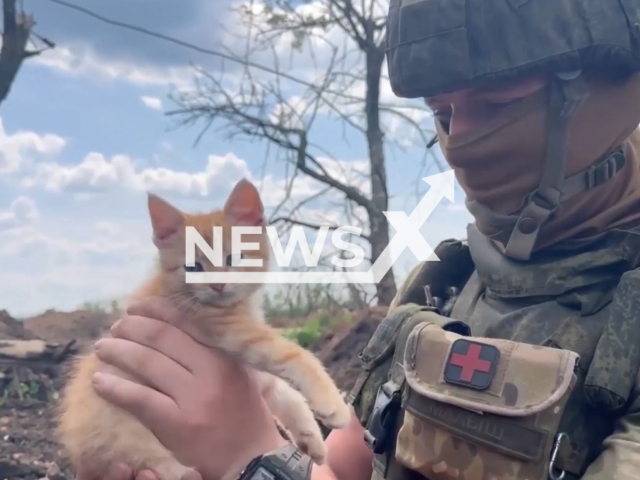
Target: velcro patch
[(471, 364)]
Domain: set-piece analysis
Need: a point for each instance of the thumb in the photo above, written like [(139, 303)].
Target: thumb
[(192, 475)]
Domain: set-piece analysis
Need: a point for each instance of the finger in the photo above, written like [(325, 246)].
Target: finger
[(161, 336), (119, 471), (158, 412), (90, 470), (160, 308), (205, 357), (191, 475), (202, 357), (145, 364), (146, 474)]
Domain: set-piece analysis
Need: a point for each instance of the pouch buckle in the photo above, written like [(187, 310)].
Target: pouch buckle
[(554, 455), (381, 421), (431, 300)]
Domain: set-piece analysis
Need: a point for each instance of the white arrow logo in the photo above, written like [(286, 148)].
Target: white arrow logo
[(407, 228)]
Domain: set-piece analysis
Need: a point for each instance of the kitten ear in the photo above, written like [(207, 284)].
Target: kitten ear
[(244, 206), (166, 220)]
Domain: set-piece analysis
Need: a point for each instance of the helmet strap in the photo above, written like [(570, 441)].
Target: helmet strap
[(568, 90)]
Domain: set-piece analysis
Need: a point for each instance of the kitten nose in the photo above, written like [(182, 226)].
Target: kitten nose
[(218, 287)]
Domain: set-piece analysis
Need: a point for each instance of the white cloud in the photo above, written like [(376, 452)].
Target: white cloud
[(291, 113), (98, 174), (79, 60), (107, 227), (28, 242), (23, 146), (403, 121), (23, 211), (352, 172), (152, 102), (43, 270)]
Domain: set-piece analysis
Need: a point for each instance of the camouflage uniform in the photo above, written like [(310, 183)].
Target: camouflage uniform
[(580, 303), (553, 389)]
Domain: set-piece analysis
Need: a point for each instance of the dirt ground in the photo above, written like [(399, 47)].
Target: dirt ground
[(28, 449), (338, 348)]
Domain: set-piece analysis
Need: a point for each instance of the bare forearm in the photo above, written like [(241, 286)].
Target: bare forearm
[(348, 457), (322, 472)]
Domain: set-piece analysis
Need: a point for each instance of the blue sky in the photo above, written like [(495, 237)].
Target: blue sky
[(84, 136)]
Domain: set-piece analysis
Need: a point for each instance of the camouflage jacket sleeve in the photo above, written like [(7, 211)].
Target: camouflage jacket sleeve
[(620, 458), (363, 392)]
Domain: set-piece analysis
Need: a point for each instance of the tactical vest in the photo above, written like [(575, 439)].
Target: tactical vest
[(488, 368)]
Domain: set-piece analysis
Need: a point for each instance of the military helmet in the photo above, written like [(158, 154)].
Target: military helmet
[(437, 46)]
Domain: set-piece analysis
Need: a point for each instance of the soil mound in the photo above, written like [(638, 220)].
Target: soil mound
[(60, 327), (339, 347), (12, 328)]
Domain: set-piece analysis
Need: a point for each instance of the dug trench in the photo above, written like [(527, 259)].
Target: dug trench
[(29, 388)]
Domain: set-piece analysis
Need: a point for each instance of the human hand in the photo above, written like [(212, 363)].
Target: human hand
[(204, 407), (121, 471)]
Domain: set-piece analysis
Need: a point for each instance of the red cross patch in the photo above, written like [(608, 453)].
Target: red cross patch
[(471, 364)]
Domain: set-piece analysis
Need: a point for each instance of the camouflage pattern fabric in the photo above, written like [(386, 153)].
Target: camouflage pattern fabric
[(579, 298), (451, 431), (436, 46)]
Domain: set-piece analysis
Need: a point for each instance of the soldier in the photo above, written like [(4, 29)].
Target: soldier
[(516, 356)]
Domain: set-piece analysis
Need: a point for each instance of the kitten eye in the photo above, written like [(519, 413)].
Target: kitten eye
[(196, 268), (230, 261)]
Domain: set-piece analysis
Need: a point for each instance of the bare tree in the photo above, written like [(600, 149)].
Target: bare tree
[(281, 106), (16, 34)]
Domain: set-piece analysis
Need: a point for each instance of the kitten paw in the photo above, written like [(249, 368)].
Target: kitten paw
[(336, 415), (169, 469), (313, 445)]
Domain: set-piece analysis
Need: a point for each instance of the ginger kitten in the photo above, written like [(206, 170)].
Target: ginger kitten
[(293, 381)]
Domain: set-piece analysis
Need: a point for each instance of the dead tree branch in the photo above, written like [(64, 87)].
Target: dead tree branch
[(16, 33), (282, 109), (34, 352)]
